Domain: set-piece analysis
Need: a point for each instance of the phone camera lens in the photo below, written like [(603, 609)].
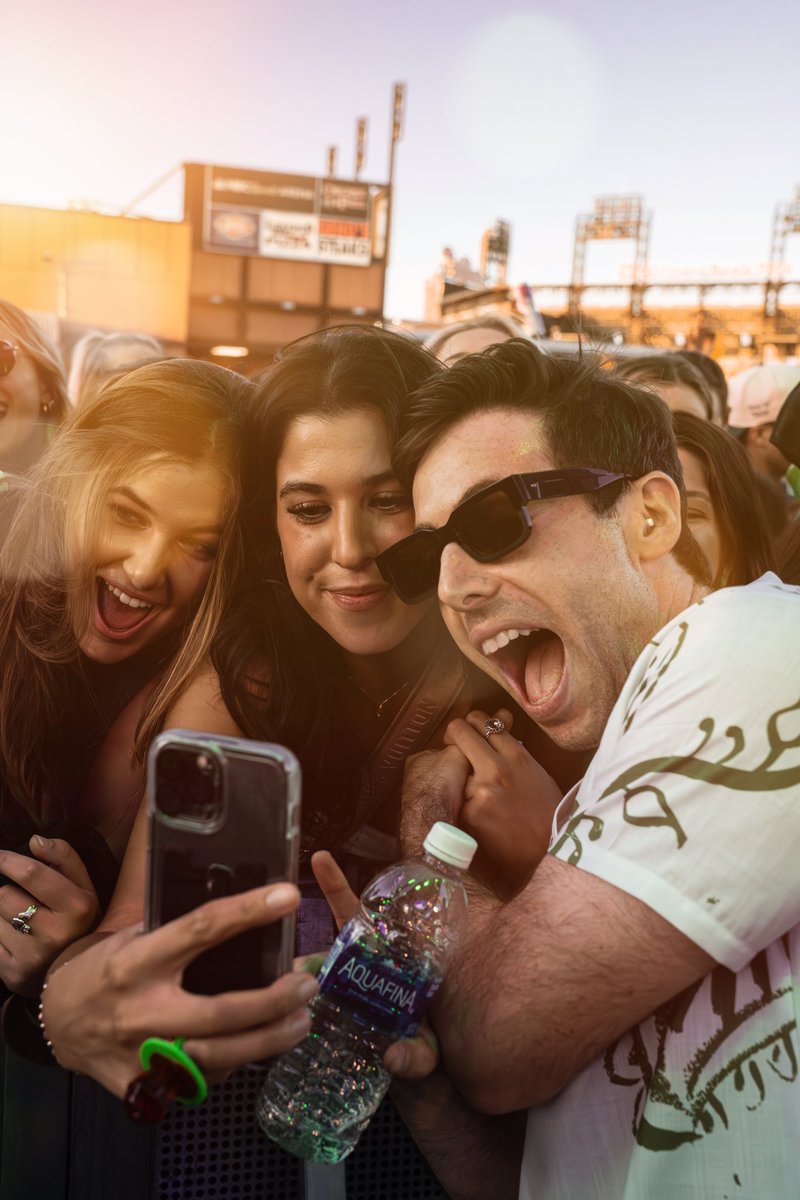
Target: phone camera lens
[(170, 800), (187, 784), (170, 763)]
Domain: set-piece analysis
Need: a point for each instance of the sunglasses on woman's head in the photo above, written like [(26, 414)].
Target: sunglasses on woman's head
[(488, 526), (8, 357)]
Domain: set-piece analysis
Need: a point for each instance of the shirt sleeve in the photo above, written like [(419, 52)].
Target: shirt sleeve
[(692, 802)]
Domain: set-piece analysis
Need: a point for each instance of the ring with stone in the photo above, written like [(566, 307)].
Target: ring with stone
[(20, 921), (493, 725)]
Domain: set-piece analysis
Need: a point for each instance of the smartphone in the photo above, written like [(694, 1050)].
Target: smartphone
[(224, 817)]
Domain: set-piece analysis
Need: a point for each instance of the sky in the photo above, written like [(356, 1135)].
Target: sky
[(514, 110)]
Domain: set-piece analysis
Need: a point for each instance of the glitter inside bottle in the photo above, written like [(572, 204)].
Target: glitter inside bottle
[(378, 979)]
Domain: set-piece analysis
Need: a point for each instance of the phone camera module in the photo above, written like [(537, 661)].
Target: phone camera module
[(188, 785)]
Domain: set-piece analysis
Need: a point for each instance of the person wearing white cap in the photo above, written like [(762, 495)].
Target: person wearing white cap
[(756, 397)]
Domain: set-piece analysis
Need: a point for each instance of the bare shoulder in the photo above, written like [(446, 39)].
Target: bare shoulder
[(201, 706), (116, 781)]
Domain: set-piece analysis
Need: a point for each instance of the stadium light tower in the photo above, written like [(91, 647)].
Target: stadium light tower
[(785, 222), (615, 218)]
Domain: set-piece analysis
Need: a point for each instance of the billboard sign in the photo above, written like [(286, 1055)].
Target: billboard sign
[(287, 216)]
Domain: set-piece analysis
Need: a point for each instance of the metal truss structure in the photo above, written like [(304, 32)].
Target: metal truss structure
[(618, 218), (785, 222), (494, 253)]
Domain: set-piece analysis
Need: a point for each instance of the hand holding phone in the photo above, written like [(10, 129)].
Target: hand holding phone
[(224, 817), (99, 1008)]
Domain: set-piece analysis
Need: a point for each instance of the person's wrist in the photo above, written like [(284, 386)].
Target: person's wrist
[(21, 1031), (40, 1009)]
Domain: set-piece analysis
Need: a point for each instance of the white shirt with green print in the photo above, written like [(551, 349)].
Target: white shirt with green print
[(692, 805)]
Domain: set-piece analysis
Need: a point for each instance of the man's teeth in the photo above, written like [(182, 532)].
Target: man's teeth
[(127, 599), (503, 638)]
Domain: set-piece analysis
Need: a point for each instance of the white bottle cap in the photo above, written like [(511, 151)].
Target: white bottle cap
[(450, 844)]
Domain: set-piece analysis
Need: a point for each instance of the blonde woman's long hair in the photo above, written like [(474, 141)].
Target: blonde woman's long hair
[(177, 411)]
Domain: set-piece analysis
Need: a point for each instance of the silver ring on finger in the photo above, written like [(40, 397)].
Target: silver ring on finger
[(492, 726), (20, 921)]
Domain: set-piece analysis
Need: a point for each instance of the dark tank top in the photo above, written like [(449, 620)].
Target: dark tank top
[(94, 696)]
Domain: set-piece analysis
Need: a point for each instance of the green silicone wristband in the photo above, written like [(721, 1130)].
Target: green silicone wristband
[(175, 1053)]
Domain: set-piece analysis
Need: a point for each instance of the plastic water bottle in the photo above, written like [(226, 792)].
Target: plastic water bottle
[(375, 985)]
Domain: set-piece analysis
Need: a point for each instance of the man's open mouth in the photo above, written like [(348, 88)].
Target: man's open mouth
[(120, 613), (532, 659)]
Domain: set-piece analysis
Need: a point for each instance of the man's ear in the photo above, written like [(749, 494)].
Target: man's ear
[(652, 516)]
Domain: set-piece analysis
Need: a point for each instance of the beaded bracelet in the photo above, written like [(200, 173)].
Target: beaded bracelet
[(47, 1041)]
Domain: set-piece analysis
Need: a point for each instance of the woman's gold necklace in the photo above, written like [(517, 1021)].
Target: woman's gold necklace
[(387, 699)]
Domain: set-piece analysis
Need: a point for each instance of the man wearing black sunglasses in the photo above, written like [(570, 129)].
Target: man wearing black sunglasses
[(638, 996)]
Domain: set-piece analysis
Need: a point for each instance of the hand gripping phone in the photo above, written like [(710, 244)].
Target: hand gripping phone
[(224, 817)]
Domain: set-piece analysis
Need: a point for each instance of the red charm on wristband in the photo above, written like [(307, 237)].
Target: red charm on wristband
[(169, 1074)]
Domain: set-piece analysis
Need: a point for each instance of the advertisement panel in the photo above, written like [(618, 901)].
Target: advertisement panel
[(288, 216), (235, 228), (262, 189), (345, 242), (343, 199), (289, 235)]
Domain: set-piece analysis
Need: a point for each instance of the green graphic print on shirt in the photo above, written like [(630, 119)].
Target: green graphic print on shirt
[(638, 1060), (732, 1036)]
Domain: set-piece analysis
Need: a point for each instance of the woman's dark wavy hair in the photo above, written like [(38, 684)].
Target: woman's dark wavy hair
[(277, 667), (591, 419), (746, 545)]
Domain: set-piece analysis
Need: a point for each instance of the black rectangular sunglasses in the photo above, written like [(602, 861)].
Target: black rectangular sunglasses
[(488, 526)]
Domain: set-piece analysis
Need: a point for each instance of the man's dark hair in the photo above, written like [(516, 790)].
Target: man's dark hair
[(591, 418)]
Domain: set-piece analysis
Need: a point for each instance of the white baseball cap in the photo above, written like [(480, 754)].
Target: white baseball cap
[(756, 396)]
